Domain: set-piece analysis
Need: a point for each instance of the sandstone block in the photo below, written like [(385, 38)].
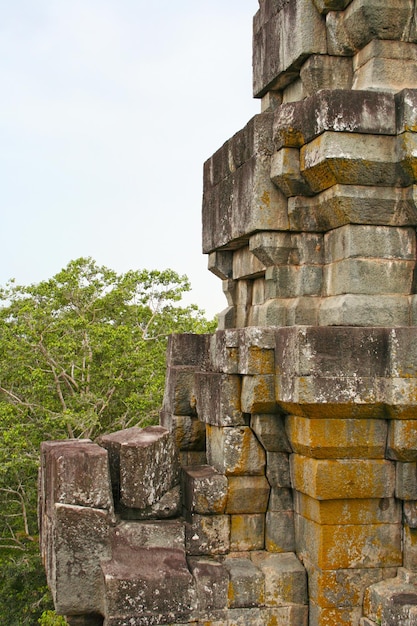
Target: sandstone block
[(146, 461), (245, 264), (193, 457), (270, 430), (246, 583), (258, 393), (323, 616), (148, 586), (212, 582), (279, 48), (235, 451), (364, 310), (81, 538), (303, 311), (247, 532), (279, 531), (256, 347), (410, 513), (368, 276), (326, 72), (290, 281), (241, 617), (337, 438), (385, 66), (295, 615), (402, 440), (204, 490), (298, 123), (224, 351), (273, 248), (343, 587), (220, 262), (407, 155), (75, 472), (344, 546), (344, 204), (335, 479), (278, 469), (247, 494), (280, 499), (218, 399), (285, 578), (239, 197), (406, 481), (151, 534), (394, 592), (338, 158), (179, 394), (406, 110), (354, 511), (286, 175), (207, 534), (381, 242), (189, 433), (187, 349), (364, 20)]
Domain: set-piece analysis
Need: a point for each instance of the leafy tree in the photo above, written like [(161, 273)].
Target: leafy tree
[(80, 354)]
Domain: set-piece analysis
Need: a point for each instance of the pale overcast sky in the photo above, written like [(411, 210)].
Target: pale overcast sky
[(108, 110)]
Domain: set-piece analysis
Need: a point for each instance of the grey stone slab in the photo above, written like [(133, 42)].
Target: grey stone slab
[(285, 578), (179, 393), (187, 349), (382, 242), (218, 399), (270, 430), (246, 584), (247, 495), (279, 47), (207, 534), (212, 581), (278, 469), (235, 451), (204, 490), (406, 481), (364, 310), (151, 534), (368, 277)]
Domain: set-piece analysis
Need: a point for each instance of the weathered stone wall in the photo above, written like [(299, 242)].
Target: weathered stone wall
[(280, 488)]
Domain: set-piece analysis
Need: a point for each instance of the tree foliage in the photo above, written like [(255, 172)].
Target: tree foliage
[(80, 354)]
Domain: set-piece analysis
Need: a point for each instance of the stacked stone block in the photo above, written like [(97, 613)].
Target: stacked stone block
[(281, 486)]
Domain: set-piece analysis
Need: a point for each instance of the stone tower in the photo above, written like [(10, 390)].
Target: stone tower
[(280, 488)]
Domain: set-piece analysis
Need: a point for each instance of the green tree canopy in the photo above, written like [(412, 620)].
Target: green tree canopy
[(80, 354)]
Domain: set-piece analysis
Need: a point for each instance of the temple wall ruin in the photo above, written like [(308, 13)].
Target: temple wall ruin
[(280, 488)]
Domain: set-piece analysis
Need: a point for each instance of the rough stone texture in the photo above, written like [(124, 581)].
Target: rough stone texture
[(207, 534), (218, 399), (247, 532), (235, 451), (246, 583), (212, 582), (285, 578), (205, 491), (247, 494)]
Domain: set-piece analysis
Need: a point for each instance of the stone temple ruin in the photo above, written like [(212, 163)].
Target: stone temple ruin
[(280, 488)]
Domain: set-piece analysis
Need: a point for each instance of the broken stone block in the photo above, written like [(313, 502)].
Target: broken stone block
[(204, 490), (247, 532), (148, 586), (279, 48), (235, 451), (81, 538), (285, 578), (392, 601), (270, 430), (258, 393), (406, 481), (344, 546), (246, 583), (279, 531), (326, 479), (247, 494), (207, 534), (147, 461), (212, 581), (337, 438), (220, 262)]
